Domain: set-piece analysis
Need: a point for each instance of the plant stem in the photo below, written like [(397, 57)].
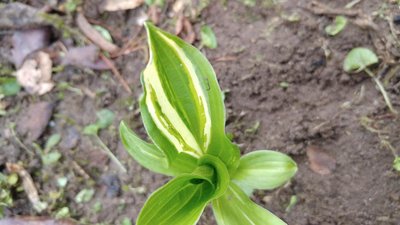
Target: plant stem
[(382, 90), (110, 154)]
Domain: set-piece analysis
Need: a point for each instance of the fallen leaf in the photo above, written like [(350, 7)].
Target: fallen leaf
[(185, 30), (320, 161), (85, 57), (113, 5), (19, 16), (94, 35), (27, 41), (35, 74), (154, 14), (34, 120), (30, 220), (28, 185)]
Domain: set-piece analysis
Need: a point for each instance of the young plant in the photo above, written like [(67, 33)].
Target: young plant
[(183, 112), (357, 60)]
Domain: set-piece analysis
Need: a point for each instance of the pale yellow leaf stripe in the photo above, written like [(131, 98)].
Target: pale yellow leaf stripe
[(164, 114)]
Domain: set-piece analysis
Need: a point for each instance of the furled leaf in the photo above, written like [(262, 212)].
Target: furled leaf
[(337, 26), (149, 156), (235, 208), (182, 99), (358, 59), (9, 86), (208, 38), (264, 170), (180, 202)]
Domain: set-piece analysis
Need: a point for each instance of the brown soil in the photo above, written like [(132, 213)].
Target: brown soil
[(259, 48)]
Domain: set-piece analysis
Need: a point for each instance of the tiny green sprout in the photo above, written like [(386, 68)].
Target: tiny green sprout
[(9, 86), (337, 26), (396, 164), (208, 38), (183, 112), (105, 118), (359, 59)]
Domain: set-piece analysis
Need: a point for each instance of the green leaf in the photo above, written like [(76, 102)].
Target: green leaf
[(182, 200), (235, 208), (52, 142), (150, 157), (358, 59), (105, 118), (396, 164), (85, 195), (51, 158), (104, 32), (250, 3), (208, 38), (264, 170), (91, 129), (182, 99), (337, 26), (179, 202), (9, 86), (62, 213)]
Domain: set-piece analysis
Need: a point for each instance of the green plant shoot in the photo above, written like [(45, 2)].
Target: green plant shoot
[(357, 60), (183, 112)]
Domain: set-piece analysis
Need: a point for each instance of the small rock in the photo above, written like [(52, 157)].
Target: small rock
[(113, 185), (34, 120), (320, 161), (396, 19), (70, 139), (267, 199)]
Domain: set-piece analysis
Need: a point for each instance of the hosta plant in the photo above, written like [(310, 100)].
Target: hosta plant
[(183, 112)]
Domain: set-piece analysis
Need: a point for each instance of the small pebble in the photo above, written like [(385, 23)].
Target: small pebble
[(396, 19)]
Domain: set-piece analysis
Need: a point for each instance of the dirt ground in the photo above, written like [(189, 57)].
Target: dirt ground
[(279, 70)]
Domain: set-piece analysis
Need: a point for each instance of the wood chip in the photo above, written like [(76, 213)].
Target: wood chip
[(28, 186), (94, 35), (320, 161)]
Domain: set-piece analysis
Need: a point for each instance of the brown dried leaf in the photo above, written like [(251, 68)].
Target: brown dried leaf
[(35, 221), (94, 35), (34, 120), (27, 41), (86, 57), (35, 74), (320, 161), (185, 29), (28, 186)]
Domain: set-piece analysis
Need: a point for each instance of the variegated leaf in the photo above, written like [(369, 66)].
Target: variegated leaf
[(182, 101)]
